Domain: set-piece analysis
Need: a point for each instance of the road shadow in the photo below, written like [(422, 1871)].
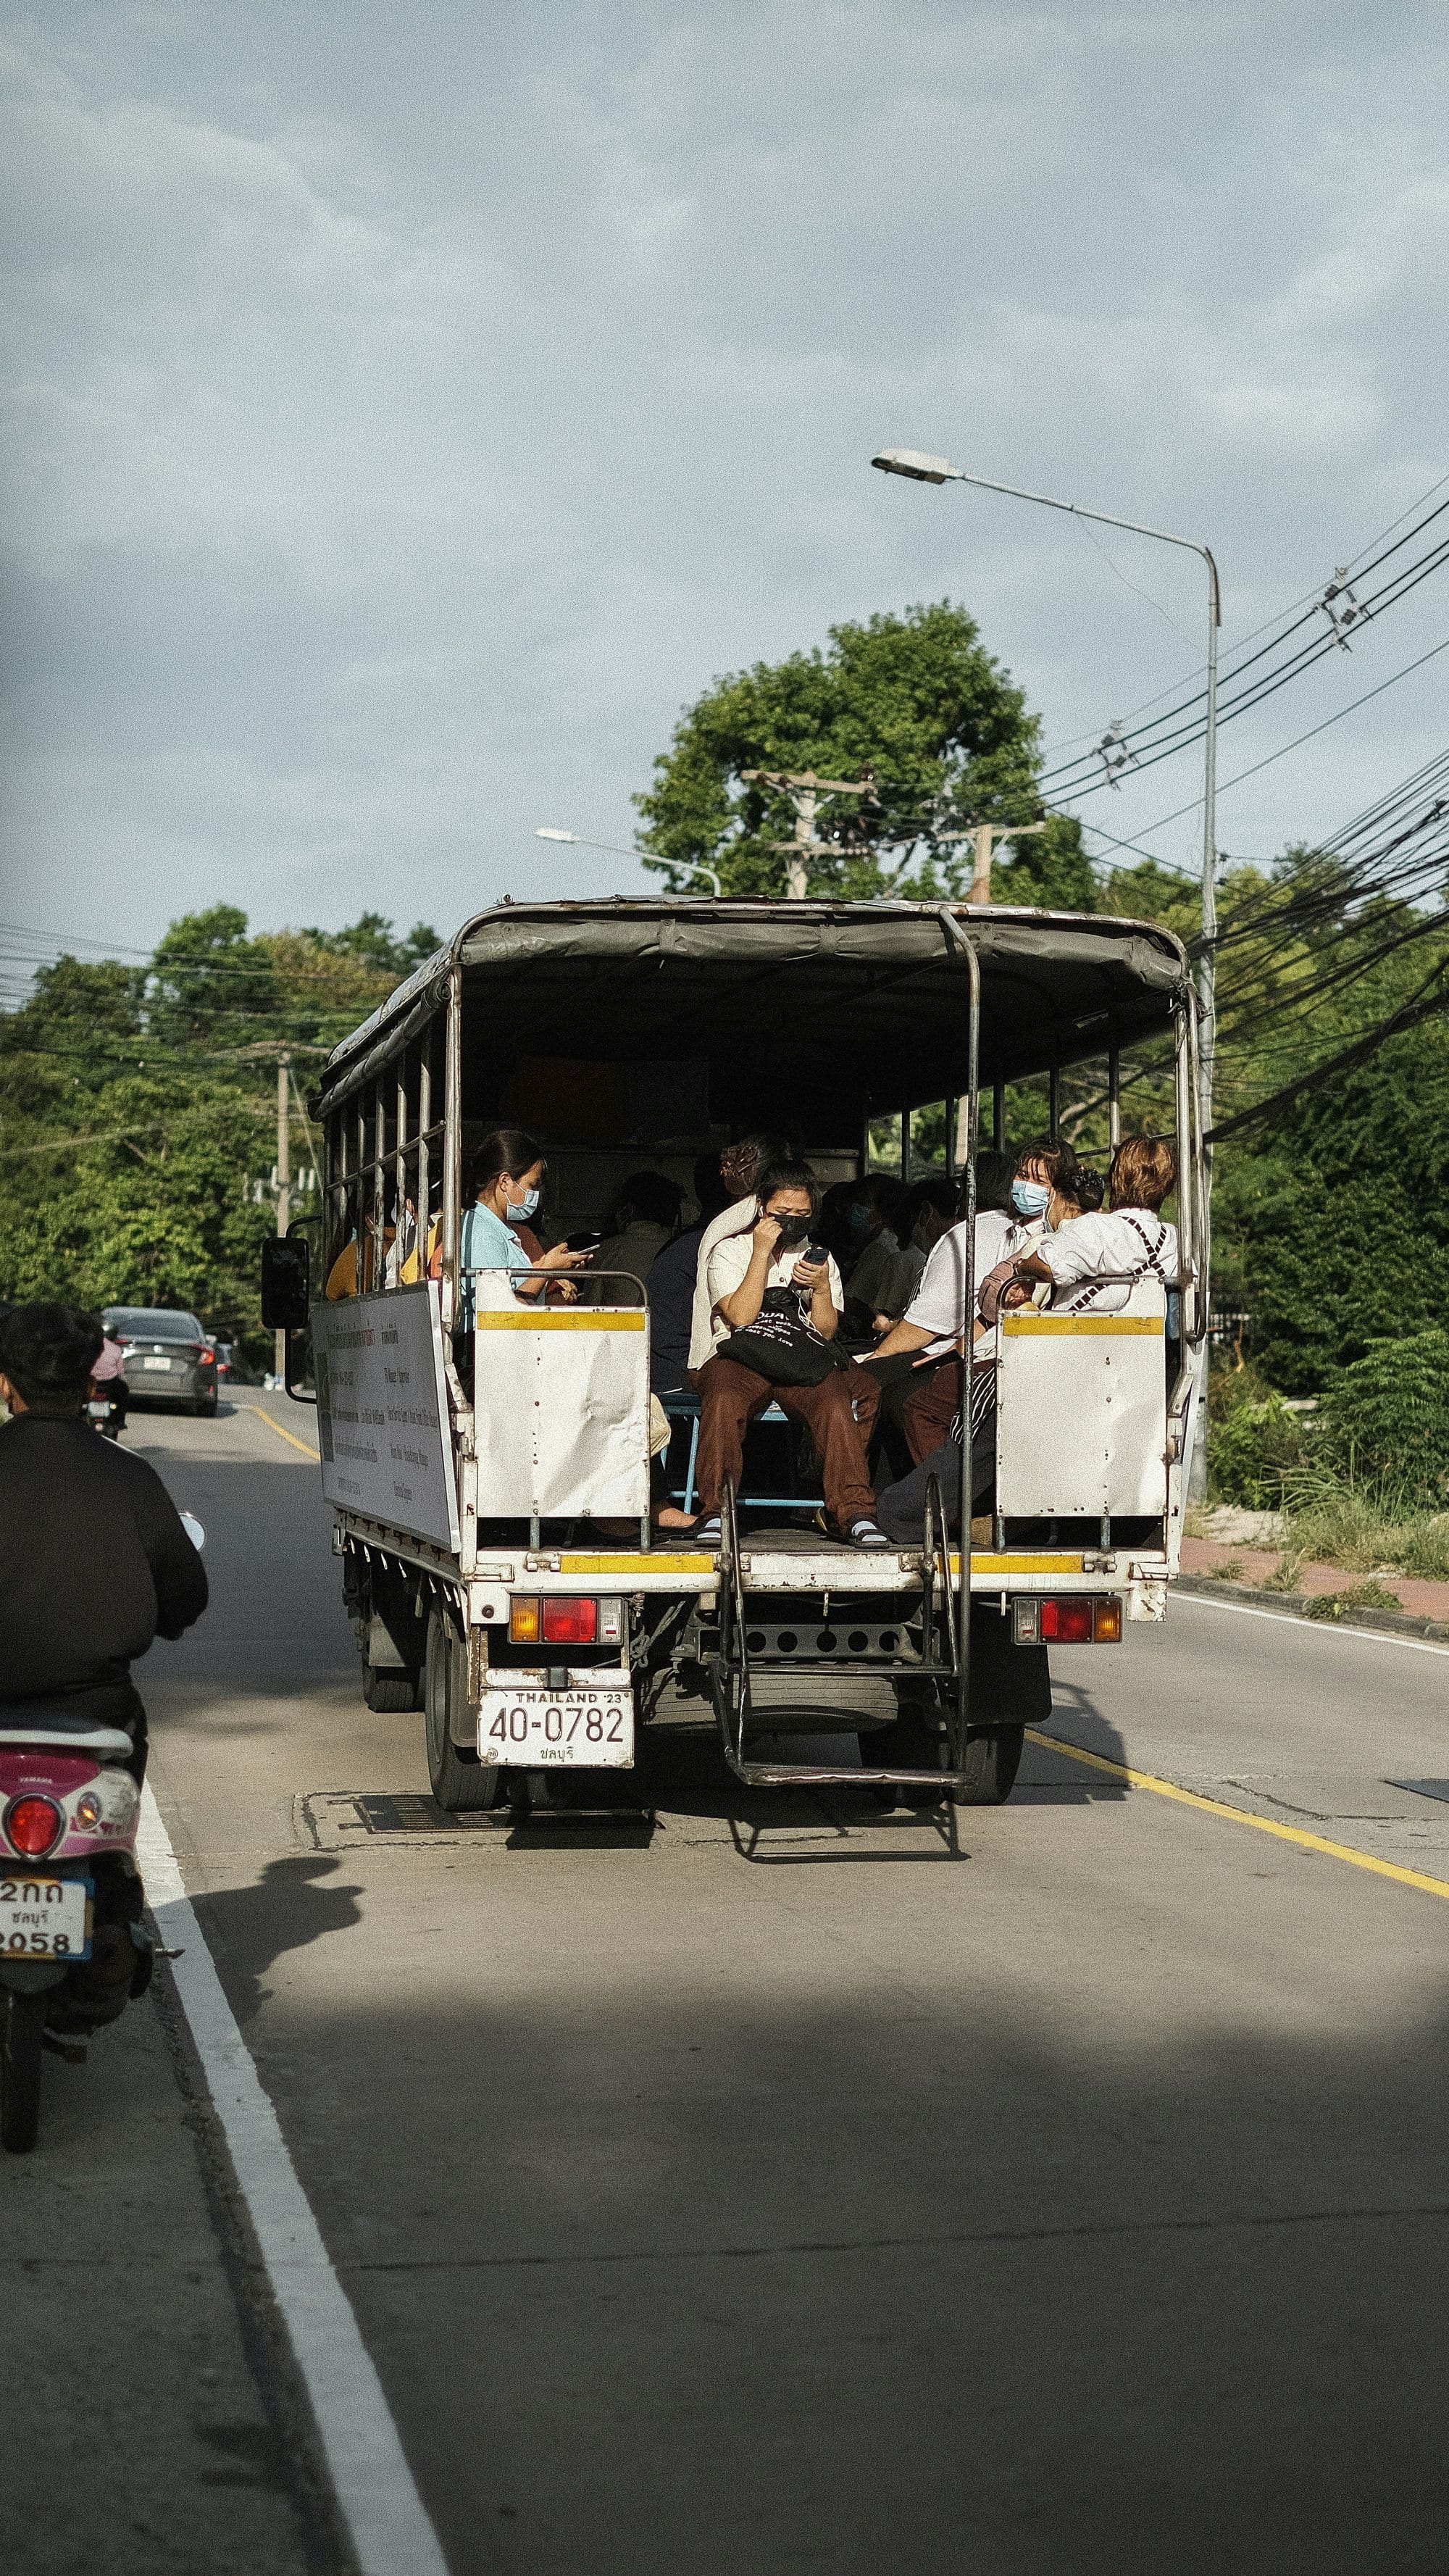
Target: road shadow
[(292, 1904)]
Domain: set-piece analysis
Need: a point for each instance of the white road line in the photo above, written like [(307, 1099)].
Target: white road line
[(1315, 1627), (385, 2514)]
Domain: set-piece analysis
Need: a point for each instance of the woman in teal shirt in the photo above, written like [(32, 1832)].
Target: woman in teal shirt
[(507, 1179)]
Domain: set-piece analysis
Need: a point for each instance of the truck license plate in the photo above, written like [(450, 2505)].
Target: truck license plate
[(533, 1727), (43, 1917)]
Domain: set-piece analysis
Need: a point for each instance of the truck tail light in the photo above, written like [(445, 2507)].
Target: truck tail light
[(569, 1622), (1074, 1619), (523, 1622)]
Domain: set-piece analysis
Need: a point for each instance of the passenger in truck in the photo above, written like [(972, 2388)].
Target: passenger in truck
[(775, 1308), (1091, 1262), (740, 1166), (672, 1280), (506, 1189), (645, 1217)]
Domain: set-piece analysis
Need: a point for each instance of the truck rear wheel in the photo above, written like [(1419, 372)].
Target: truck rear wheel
[(460, 1782), (990, 1768), (389, 1690)]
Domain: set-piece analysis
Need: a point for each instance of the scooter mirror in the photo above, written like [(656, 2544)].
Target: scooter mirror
[(194, 1530)]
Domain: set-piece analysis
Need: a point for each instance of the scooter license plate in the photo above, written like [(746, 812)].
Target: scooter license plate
[(98, 1412), (42, 1917), (536, 1729)]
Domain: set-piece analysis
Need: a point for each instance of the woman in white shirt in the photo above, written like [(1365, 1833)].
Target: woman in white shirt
[(1091, 1262), (773, 1317)]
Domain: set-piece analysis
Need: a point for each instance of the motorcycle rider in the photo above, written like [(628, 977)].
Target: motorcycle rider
[(95, 1565)]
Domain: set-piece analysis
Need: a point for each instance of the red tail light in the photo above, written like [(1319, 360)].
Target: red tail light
[(33, 1826), (1067, 1623), (206, 1355), (567, 1622)]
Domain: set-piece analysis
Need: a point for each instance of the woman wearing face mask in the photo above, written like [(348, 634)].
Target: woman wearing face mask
[(925, 1403), (506, 1184)]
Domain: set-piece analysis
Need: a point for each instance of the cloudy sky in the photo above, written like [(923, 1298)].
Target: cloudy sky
[(409, 410)]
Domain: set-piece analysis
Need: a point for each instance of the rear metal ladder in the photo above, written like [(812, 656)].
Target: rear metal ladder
[(944, 1619)]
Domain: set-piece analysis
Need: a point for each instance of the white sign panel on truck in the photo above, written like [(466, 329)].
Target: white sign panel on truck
[(382, 1410)]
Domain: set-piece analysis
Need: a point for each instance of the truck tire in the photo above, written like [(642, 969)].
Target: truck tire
[(22, 2026), (389, 1690), (461, 1783), (990, 1768)]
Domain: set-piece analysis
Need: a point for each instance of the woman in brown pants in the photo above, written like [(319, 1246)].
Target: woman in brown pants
[(788, 1311)]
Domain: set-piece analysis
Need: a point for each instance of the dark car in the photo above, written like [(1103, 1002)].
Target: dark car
[(167, 1357)]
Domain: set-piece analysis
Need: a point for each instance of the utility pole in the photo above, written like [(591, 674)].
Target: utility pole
[(985, 836), (284, 1179), (804, 790)]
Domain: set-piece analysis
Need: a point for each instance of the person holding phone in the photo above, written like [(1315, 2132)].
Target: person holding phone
[(506, 1185), (775, 1306)]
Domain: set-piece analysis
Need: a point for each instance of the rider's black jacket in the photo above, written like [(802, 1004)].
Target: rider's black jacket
[(94, 1564)]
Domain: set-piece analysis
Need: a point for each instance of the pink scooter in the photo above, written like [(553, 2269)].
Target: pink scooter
[(72, 1951)]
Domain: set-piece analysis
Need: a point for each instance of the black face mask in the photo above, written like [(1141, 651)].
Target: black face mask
[(793, 1230)]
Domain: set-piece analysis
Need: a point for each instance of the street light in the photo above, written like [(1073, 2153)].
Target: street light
[(551, 832), (938, 469)]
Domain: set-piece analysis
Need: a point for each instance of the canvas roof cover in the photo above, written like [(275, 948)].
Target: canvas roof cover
[(847, 1007)]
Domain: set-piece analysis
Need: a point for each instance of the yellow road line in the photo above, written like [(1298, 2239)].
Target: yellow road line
[(1240, 1815), (304, 1445)]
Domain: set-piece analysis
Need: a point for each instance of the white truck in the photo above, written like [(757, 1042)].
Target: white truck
[(492, 1490)]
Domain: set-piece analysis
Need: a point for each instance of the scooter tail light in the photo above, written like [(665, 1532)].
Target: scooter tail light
[(33, 1825), (569, 1622)]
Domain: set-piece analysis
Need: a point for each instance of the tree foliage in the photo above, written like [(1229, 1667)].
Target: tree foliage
[(138, 1107), (918, 701)]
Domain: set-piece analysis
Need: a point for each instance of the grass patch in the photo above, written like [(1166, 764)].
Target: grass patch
[(1364, 1526), (1357, 1596)]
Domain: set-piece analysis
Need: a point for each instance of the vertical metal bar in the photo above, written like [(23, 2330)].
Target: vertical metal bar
[(960, 939), (359, 1184), (425, 1120), (1114, 1095), (998, 1116), (399, 1171), (1187, 1168), (1054, 1103), (378, 1227), (452, 1147), (905, 1144), (952, 1139)]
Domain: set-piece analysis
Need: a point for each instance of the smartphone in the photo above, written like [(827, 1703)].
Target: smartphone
[(814, 1253), (585, 1241)]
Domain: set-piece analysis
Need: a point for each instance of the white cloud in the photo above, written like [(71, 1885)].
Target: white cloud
[(405, 418)]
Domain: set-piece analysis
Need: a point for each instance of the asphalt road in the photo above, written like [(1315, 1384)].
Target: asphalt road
[(780, 2188)]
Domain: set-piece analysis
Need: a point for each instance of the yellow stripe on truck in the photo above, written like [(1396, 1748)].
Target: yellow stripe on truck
[(1082, 1324), (624, 1319)]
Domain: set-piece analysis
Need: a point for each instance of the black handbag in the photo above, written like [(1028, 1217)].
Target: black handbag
[(781, 1347)]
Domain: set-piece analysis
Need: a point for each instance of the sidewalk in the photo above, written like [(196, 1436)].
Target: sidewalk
[(1252, 1567)]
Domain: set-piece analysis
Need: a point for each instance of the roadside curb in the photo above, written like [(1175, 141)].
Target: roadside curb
[(1296, 1605)]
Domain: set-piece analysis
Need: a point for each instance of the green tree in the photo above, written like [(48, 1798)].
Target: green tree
[(916, 700), (138, 1107)]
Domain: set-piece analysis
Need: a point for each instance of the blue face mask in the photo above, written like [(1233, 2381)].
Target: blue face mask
[(860, 1219), (1030, 1198), (521, 1210)]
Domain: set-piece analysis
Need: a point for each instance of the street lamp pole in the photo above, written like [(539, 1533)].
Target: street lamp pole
[(935, 469), (551, 832)]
